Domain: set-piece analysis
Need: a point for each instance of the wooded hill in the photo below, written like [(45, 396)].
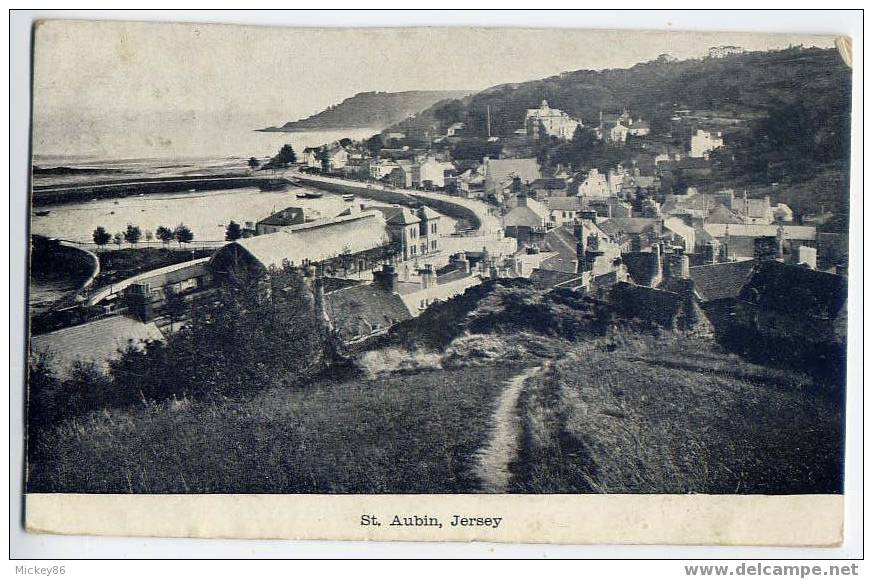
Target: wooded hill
[(369, 109), (743, 85), (785, 114)]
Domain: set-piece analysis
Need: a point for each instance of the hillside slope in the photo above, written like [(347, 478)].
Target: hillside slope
[(747, 84), (786, 116), (675, 416), (369, 110)]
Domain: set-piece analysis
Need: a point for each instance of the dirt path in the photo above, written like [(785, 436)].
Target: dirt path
[(494, 458)]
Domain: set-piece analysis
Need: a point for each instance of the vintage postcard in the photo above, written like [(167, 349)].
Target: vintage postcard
[(438, 284)]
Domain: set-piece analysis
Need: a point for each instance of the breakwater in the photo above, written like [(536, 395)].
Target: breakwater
[(48, 195)]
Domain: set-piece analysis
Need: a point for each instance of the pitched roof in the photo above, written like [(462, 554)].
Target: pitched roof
[(167, 274), (500, 170), (562, 241), (564, 203), (720, 281), (757, 208), (316, 241), (396, 215), (427, 213), (449, 275), (719, 230), (700, 202), (550, 184), (287, 216), (95, 342), (546, 279), (679, 227), (615, 226), (522, 216), (721, 214), (361, 310)]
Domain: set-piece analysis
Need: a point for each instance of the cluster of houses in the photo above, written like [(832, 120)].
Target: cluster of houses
[(632, 235)]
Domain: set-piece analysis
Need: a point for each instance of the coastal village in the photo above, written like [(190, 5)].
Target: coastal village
[(608, 280), (650, 235)]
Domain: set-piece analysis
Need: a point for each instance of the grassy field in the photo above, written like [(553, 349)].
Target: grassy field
[(406, 432), (669, 416), (613, 409)]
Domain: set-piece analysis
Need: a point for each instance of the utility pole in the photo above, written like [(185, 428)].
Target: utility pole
[(488, 119)]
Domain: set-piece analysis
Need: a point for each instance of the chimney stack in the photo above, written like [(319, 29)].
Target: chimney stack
[(588, 215), (710, 252), (460, 259), (677, 265), (386, 279), (780, 243), (656, 274), (579, 236), (427, 275)]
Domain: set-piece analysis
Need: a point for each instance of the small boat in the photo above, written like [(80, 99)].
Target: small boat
[(191, 190), (43, 213), (311, 195), (301, 195), (348, 197)]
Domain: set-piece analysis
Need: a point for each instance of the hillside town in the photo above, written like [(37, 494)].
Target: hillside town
[(630, 277), (650, 235)]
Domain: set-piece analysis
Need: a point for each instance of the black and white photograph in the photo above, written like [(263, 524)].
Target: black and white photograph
[(436, 261)]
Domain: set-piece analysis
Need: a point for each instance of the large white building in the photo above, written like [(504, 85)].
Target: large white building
[(595, 184), (704, 142), (552, 122), (430, 173)]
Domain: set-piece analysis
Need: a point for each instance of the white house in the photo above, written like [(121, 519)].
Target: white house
[(595, 184), (431, 171), (703, 142), (381, 168), (552, 122)]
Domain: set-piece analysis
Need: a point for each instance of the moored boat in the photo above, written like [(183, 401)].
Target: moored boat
[(310, 195)]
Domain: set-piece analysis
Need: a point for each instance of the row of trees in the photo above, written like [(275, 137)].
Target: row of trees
[(133, 235)]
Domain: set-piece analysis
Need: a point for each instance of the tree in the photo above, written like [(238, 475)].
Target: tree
[(234, 231), (345, 143), (254, 163), (374, 144), (118, 238), (165, 234), (175, 304), (183, 234), (101, 237), (324, 157), (284, 157), (132, 234), (396, 178)]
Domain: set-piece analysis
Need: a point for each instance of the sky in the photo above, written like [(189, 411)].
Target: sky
[(119, 88)]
